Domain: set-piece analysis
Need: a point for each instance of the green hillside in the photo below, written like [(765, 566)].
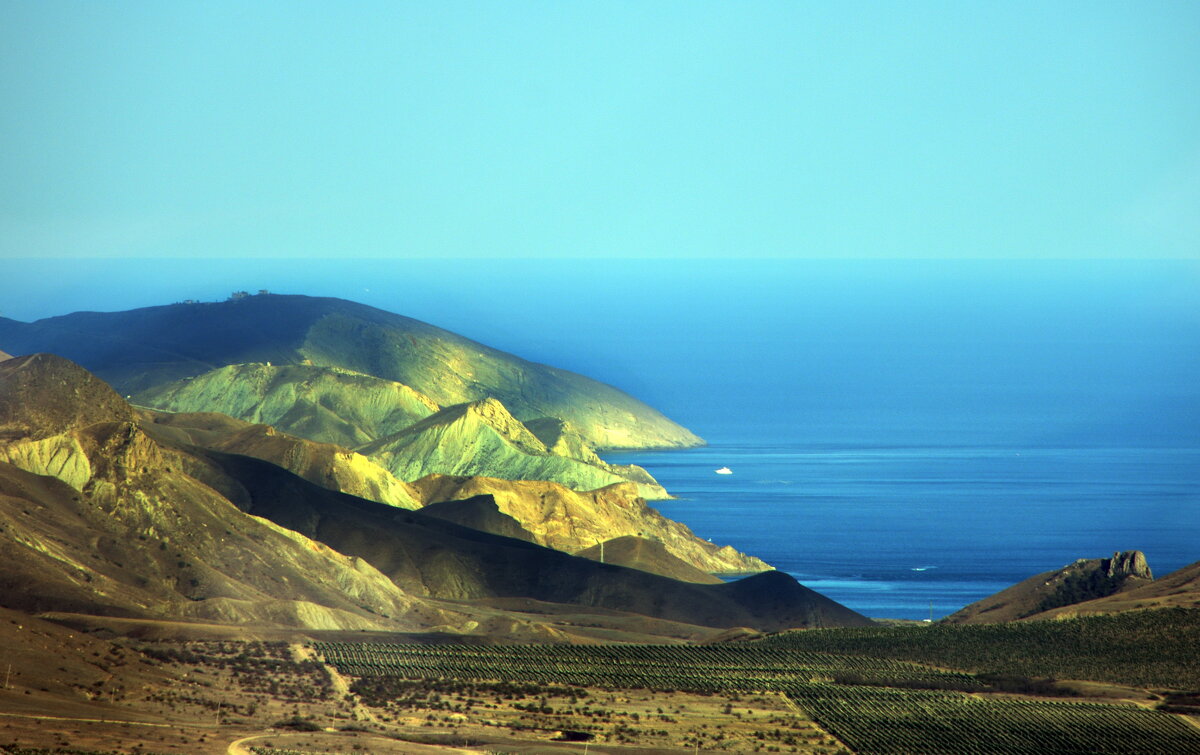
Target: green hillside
[(325, 404), (143, 348), (483, 439)]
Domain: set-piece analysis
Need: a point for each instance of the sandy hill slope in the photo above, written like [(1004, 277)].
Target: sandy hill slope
[(1083, 580), (101, 518), (142, 348), (571, 521), (483, 439), (325, 464), (647, 555), (4, 355)]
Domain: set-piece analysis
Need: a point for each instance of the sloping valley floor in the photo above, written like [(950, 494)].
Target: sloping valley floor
[(875, 690)]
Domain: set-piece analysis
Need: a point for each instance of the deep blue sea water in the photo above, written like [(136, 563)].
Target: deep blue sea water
[(889, 530)]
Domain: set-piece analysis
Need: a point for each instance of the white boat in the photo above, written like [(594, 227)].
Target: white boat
[(724, 470)]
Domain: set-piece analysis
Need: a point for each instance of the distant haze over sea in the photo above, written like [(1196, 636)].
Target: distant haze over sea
[(900, 352), (901, 431)]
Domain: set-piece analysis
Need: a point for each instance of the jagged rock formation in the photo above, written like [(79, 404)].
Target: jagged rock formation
[(144, 348), (647, 555), (1083, 580), (1125, 565), (483, 439), (325, 464), (570, 521), (325, 404), (155, 529)]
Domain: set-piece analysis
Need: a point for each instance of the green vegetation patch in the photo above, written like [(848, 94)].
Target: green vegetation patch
[(874, 721), (1154, 649), (710, 668)]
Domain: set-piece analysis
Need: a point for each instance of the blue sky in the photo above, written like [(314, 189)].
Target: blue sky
[(575, 182), (615, 129)]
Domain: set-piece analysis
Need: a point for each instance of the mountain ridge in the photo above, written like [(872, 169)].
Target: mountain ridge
[(191, 533), (138, 349), (483, 439)]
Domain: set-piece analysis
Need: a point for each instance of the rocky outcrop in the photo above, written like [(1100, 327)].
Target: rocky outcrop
[(1128, 564), (1083, 580), (483, 439), (573, 521)]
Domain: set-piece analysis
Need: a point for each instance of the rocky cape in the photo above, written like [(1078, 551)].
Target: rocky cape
[(141, 349)]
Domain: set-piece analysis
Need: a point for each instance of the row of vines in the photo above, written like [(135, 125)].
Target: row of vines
[(1154, 649), (880, 721), (708, 668)]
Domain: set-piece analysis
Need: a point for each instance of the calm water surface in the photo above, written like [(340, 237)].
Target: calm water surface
[(888, 531)]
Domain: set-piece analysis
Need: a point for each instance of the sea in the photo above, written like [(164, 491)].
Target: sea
[(918, 532)]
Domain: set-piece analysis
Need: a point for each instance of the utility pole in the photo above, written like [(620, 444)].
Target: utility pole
[(7, 674), (601, 551)]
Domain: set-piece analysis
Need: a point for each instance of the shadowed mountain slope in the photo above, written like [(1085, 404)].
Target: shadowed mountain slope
[(156, 529), (327, 465), (571, 521), (483, 439), (566, 520), (479, 513), (427, 556), (647, 555), (143, 348), (1083, 580)]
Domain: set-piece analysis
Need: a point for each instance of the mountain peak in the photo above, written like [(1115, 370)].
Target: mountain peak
[(42, 395)]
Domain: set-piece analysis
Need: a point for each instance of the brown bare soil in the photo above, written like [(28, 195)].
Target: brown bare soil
[(70, 690)]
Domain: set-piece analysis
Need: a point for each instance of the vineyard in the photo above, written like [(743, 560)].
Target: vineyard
[(708, 668), (897, 722), (872, 700), (1142, 648)]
